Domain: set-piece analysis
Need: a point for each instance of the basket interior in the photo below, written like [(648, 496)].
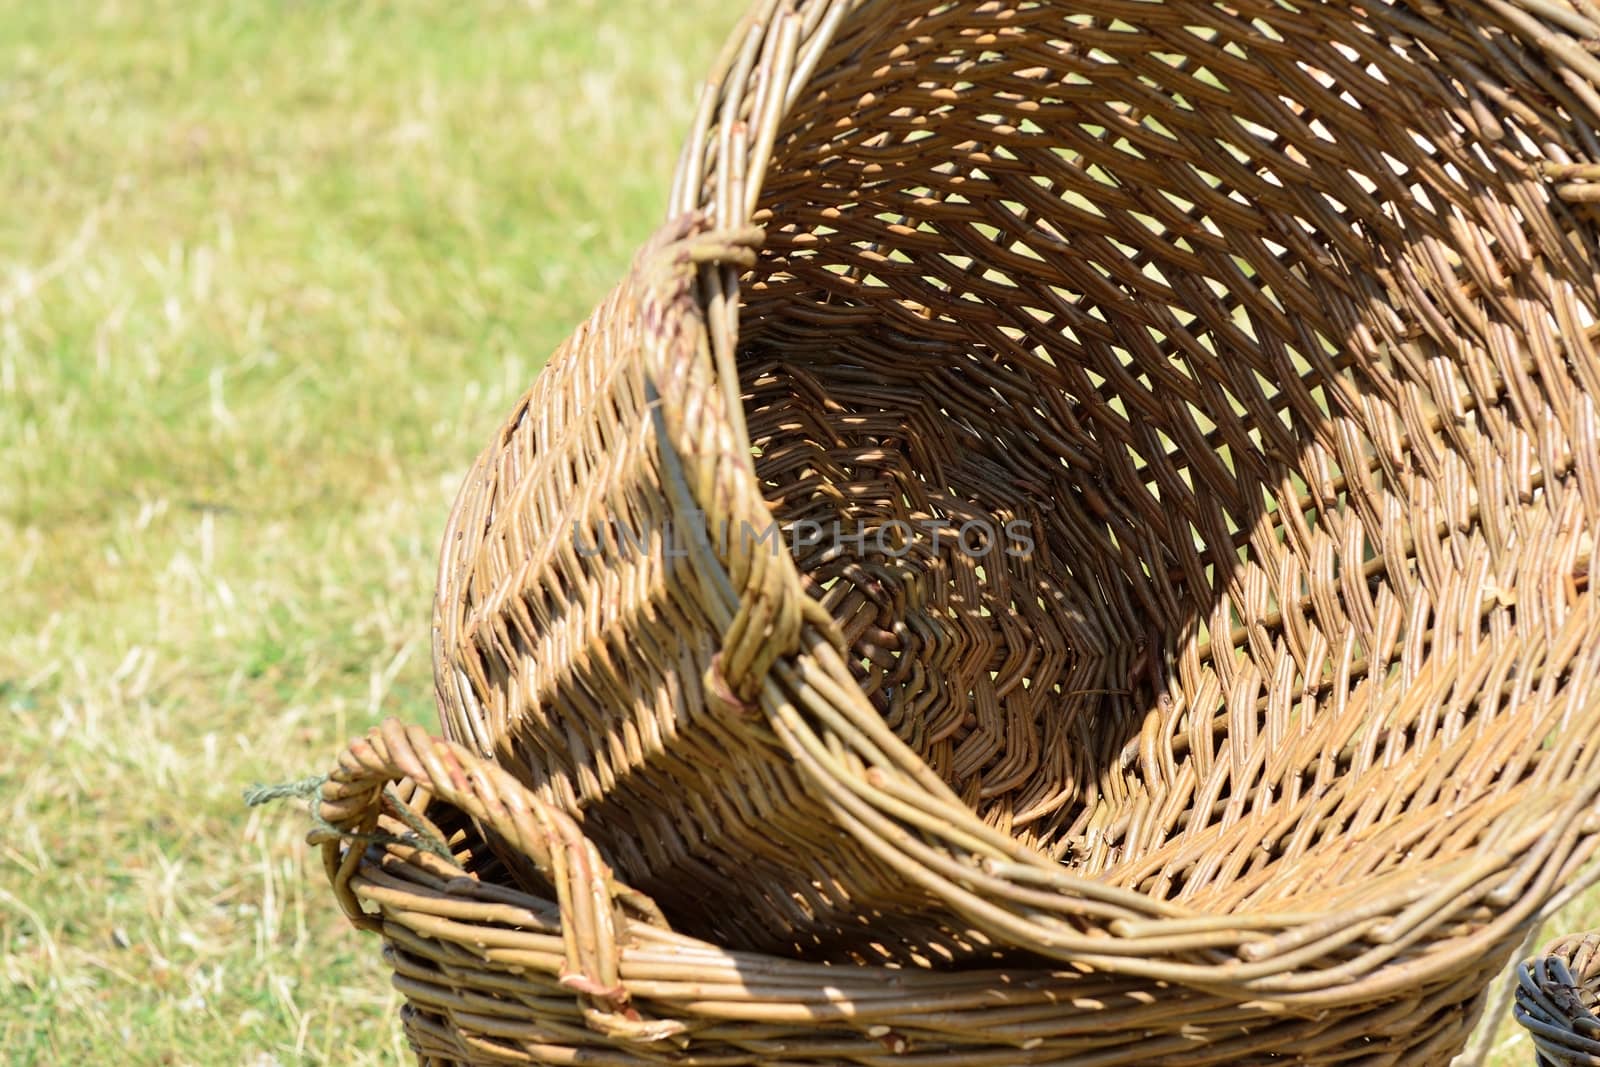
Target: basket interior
[(1263, 327)]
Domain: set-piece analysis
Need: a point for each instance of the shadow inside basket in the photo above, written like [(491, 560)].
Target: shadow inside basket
[(1224, 630)]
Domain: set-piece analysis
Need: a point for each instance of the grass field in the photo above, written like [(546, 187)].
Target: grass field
[(270, 274)]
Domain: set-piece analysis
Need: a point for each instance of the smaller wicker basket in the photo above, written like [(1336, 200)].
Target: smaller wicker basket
[(585, 970), (1558, 1001)]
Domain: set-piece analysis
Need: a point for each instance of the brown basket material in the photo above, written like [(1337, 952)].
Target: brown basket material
[(583, 970), (1558, 1001), (1275, 323)]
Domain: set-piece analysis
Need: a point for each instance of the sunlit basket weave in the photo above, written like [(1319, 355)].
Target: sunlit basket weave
[(1273, 327), (1558, 1001)]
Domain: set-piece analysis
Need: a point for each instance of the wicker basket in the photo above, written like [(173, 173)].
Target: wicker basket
[(1270, 330), (583, 970), (1558, 1001)]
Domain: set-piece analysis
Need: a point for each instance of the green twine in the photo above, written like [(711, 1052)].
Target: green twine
[(421, 836), (258, 795)]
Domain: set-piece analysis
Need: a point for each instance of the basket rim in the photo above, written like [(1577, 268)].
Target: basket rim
[(613, 951)]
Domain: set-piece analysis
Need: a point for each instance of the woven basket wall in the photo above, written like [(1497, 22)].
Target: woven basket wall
[(1273, 326)]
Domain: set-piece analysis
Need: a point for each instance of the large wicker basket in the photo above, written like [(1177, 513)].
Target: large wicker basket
[(1558, 1001), (1245, 354)]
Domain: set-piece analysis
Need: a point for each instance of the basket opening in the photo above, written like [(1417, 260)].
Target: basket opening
[(1264, 324), (1190, 337)]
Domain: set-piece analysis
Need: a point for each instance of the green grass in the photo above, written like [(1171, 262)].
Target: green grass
[(270, 274)]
